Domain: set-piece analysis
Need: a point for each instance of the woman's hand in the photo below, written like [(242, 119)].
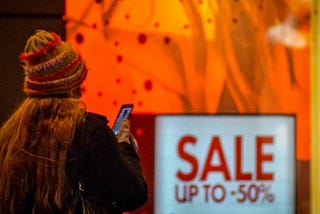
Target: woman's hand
[(125, 134)]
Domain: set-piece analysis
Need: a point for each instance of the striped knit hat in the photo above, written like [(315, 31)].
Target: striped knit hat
[(52, 67)]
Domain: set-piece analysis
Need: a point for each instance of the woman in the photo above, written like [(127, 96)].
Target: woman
[(40, 142)]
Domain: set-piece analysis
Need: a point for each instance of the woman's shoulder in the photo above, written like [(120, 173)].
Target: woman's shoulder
[(98, 118), (95, 121), (97, 127)]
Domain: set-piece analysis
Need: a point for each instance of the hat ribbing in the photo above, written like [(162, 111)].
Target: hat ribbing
[(52, 67)]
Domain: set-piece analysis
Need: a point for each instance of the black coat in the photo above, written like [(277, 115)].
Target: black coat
[(113, 174)]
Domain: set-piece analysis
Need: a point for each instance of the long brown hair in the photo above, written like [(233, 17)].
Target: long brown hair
[(34, 143)]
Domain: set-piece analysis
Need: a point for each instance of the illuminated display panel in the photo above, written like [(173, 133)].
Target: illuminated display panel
[(225, 163)]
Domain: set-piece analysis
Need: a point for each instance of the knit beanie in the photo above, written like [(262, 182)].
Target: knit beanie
[(52, 67)]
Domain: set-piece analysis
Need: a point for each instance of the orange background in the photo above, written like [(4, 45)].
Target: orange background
[(200, 56)]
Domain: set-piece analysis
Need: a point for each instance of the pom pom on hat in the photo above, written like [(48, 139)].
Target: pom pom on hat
[(52, 67)]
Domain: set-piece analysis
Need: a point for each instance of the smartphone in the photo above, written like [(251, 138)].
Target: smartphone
[(124, 113)]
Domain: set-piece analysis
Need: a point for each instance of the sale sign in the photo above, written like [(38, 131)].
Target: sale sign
[(224, 164)]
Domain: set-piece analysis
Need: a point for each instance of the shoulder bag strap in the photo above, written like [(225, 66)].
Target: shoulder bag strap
[(80, 184)]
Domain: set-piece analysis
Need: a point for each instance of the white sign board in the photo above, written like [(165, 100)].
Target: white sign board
[(224, 164)]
